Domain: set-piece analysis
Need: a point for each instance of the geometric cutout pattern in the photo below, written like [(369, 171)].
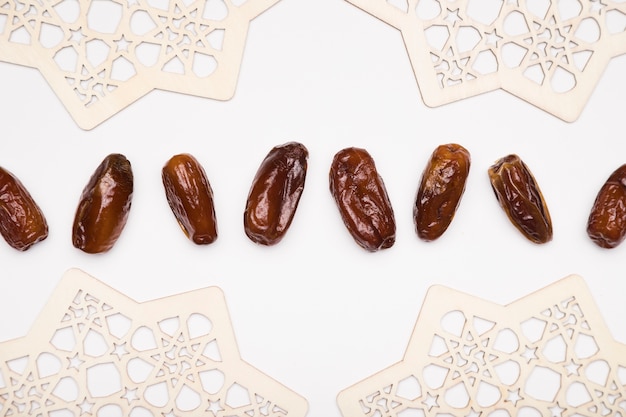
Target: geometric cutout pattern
[(93, 351), (99, 56), (550, 53), (548, 354)]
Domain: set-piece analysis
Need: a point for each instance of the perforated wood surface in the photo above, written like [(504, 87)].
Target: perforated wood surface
[(100, 56), (548, 354), (550, 53), (93, 351)]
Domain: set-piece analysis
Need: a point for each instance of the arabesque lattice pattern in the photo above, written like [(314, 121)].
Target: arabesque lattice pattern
[(95, 352), (550, 53), (546, 355), (99, 56)]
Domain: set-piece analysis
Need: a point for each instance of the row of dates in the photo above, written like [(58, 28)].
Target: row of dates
[(354, 183)]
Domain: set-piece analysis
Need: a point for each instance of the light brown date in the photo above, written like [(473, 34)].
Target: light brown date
[(275, 193), (190, 196), (362, 199), (104, 206), (22, 223), (521, 199), (606, 225), (440, 190)]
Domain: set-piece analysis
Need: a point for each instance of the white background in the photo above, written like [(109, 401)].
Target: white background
[(315, 312)]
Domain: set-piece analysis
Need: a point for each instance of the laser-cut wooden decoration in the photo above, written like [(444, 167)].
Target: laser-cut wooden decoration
[(550, 53), (548, 354), (93, 351), (99, 56)]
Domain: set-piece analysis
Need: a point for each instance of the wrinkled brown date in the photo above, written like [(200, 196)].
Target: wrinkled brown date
[(440, 190), (275, 193), (190, 197), (104, 206), (22, 224), (362, 199), (520, 197), (606, 225)]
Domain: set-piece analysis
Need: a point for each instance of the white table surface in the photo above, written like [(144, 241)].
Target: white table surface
[(315, 312)]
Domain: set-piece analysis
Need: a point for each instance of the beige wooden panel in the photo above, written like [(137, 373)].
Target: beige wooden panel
[(547, 52), (548, 354), (94, 351), (100, 56)]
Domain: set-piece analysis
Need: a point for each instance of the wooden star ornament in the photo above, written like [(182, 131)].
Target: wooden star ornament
[(547, 52), (99, 56), (94, 351), (548, 354)]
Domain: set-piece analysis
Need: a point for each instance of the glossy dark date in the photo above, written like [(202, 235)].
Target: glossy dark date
[(362, 199), (190, 196), (606, 225), (521, 199), (440, 190), (104, 206), (22, 223), (275, 193)]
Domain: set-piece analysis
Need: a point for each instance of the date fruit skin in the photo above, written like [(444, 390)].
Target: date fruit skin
[(104, 206), (521, 199), (440, 190), (362, 199), (190, 196), (606, 225), (22, 223), (275, 193)]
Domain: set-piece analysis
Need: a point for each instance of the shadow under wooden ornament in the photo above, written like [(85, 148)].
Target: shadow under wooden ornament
[(548, 354), (94, 351), (548, 53), (99, 56)]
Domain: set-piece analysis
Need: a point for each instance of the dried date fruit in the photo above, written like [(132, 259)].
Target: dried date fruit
[(606, 225), (520, 198), (22, 223), (362, 199), (440, 190), (190, 197), (275, 193), (104, 206)]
